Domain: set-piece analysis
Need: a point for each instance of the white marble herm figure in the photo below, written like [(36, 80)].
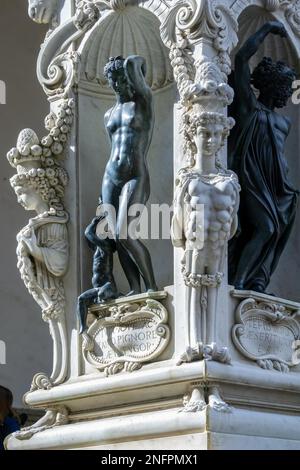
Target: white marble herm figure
[(205, 218), (43, 247)]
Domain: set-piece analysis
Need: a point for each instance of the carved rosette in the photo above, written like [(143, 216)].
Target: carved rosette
[(126, 334), (268, 333)]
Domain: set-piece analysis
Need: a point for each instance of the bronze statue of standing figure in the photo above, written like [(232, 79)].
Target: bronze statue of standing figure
[(256, 153), (126, 182)]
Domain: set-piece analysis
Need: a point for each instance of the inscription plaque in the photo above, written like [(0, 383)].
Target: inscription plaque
[(266, 333), (126, 333)]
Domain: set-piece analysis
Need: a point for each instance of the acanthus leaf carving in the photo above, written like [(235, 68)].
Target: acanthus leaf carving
[(195, 19), (189, 22)]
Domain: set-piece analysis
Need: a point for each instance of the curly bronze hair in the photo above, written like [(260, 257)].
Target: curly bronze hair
[(115, 64), (274, 79)]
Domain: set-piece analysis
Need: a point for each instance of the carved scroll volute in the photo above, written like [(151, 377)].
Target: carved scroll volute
[(57, 62), (201, 35)]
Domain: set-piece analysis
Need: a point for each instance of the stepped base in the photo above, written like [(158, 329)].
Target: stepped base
[(172, 430)]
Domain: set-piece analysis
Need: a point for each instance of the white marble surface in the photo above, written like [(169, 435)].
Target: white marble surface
[(28, 344)]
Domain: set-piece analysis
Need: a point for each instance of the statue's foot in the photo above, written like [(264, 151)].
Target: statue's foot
[(261, 289), (107, 292), (82, 323), (239, 287), (152, 289), (133, 292), (82, 328)]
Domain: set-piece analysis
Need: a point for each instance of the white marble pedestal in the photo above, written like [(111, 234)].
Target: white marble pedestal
[(144, 409)]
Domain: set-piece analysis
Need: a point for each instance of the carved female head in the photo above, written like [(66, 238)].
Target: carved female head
[(115, 74), (209, 131), (39, 187), (274, 81)]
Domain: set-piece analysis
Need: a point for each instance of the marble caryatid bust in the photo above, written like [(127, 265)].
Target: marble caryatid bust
[(268, 199), (43, 243), (206, 184), (205, 218)]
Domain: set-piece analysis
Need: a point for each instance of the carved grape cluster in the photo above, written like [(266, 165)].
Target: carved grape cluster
[(183, 66), (37, 161)]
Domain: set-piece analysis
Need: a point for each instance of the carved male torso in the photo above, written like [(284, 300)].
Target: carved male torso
[(217, 195)]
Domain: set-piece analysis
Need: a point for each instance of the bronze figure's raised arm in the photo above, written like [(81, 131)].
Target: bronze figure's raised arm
[(126, 180)]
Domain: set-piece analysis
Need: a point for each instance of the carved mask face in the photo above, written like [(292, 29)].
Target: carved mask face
[(28, 198), (42, 11), (209, 139)]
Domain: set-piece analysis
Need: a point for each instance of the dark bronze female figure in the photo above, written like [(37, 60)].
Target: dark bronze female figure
[(256, 153)]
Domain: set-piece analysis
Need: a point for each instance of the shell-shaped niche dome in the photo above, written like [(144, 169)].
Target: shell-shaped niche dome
[(129, 31), (250, 21)]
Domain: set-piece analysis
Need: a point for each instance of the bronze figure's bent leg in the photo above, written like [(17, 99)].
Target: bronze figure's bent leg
[(111, 194), (85, 300), (135, 191)]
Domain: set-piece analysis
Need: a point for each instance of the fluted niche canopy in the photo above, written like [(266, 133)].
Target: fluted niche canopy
[(127, 31), (251, 20)]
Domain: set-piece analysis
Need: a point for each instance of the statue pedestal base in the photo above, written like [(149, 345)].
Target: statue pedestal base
[(252, 403)]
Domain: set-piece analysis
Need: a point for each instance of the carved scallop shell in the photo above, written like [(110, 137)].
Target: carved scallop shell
[(250, 21), (130, 31)]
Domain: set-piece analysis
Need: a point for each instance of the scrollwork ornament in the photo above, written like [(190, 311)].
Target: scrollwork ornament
[(87, 13), (265, 332), (187, 23), (137, 331), (292, 14)]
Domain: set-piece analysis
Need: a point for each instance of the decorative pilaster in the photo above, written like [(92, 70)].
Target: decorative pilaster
[(200, 35)]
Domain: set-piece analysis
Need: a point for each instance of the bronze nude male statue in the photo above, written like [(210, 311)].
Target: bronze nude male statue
[(256, 148), (126, 182)]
